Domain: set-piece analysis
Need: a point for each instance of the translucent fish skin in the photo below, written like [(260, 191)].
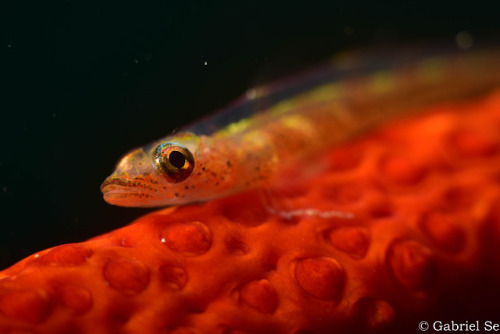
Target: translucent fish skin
[(273, 127)]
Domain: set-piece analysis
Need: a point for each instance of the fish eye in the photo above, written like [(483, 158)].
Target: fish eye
[(174, 162)]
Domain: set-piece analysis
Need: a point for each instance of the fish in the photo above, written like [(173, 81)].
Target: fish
[(289, 123)]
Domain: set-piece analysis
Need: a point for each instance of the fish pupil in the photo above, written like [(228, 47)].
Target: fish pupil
[(177, 159)]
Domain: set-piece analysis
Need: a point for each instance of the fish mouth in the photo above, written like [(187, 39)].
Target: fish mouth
[(127, 184), (128, 192)]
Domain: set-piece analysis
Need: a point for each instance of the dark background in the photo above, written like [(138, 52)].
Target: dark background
[(83, 83)]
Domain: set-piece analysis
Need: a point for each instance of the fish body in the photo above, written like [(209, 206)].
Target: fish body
[(272, 127)]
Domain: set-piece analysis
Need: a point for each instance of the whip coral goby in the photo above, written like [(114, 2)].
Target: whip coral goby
[(273, 127)]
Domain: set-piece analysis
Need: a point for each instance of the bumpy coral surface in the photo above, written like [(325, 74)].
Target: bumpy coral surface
[(396, 228)]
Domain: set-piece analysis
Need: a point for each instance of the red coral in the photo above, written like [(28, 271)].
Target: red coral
[(400, 227)]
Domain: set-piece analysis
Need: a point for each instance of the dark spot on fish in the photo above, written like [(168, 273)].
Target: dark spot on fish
[(141, 195), (186, 187), (228, 163), (176, 194)]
